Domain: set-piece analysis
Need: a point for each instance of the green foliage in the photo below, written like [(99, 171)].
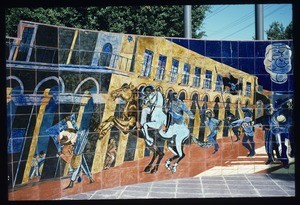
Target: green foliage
[(143, 20), (289, 31), (277, 31)]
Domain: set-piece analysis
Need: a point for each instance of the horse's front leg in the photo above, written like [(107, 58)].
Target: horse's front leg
[(148, 167), (124, 124), (105, 126), (154, 125), (160, 156)]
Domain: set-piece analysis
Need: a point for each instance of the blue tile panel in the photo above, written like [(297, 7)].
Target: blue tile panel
[(247, 56), (16, 141)]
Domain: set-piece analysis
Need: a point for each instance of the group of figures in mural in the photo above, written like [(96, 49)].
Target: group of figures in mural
[(150, 115)]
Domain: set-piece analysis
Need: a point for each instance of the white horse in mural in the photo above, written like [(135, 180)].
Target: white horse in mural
[(177, 134)]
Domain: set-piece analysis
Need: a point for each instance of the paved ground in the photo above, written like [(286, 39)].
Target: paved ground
[(235, 179), (241, 185)]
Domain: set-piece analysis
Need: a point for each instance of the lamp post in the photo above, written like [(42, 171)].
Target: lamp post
[(187, 21), (259, 22)]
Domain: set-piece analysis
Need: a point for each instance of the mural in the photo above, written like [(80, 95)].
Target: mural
[(94, 109)]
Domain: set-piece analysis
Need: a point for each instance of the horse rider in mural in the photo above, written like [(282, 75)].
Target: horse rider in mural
[(213, 125), (176, 108), (175, 111), (72, 143), (153, 102)]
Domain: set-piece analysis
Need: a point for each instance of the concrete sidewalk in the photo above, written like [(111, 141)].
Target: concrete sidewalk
[(241, 185), (243, 177)]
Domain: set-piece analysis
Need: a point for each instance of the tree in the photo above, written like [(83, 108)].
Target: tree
[(277, 31), (289, 31), (142, 20)]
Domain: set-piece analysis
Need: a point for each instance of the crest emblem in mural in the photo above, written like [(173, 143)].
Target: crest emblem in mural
[(278, 62)]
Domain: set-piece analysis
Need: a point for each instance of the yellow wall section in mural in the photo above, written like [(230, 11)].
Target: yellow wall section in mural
[(121, 149), (161, 46)]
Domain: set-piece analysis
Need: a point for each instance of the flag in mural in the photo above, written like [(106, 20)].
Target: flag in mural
[(231, 84)]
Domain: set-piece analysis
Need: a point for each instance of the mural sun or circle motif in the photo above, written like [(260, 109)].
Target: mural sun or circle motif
[(278, 62)]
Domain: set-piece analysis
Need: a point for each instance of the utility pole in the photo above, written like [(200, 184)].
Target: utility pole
[(187, 21), (259, 22)]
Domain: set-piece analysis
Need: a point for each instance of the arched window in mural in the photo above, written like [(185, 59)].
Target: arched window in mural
[(182, 96), (216, 107), (202, 119), (227, 111), (195, 97), (169, 93), (105, 55), (193, 110)]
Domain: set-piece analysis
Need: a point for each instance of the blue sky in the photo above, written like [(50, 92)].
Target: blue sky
[(236, 22)]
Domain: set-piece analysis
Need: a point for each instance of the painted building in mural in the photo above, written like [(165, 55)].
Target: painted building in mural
[(54, 72)]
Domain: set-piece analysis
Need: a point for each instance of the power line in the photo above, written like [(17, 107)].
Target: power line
[(238, 31), (251, 23), (216, 12), (237, 22)]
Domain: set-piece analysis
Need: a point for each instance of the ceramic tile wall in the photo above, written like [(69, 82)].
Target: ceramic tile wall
[(28, 132)]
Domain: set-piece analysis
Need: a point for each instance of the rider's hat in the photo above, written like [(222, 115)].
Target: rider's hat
[(125, 85), (151, 87)]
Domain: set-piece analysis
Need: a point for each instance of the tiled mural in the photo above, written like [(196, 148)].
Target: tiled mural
[(90, 110)]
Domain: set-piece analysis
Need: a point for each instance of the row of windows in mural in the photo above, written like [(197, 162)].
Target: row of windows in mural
[(223, 83), (107, 58), (67, 46)]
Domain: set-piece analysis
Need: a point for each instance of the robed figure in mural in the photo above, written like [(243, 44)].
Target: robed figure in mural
[(70, 143)]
